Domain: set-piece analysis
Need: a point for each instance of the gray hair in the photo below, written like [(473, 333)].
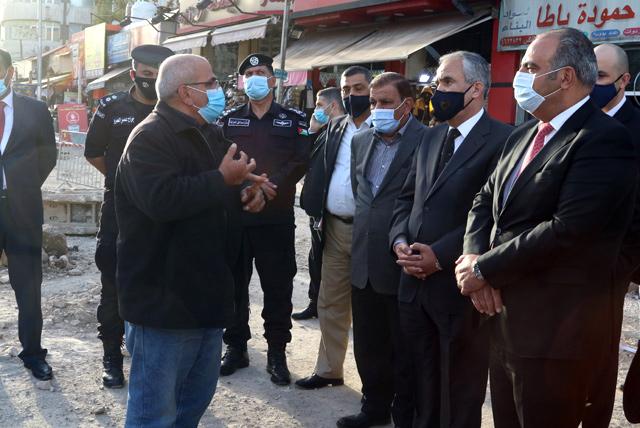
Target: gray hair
[(332, 94), (575, 50), (175, 71), (474, 67)]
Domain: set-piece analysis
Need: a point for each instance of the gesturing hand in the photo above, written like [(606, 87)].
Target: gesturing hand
[(236, 171)]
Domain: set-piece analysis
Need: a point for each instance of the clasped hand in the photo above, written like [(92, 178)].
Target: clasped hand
[(486, 299)]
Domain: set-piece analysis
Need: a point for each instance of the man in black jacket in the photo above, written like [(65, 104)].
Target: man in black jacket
[(544, 237), (328, 106), (27, 156), (177, 206), (336, 209), (382, 157), (449, 351), (608, 94)]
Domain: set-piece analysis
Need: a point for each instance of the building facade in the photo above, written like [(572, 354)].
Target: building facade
[(19, 24)]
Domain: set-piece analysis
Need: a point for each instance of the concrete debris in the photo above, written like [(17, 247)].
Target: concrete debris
[(53, 241)]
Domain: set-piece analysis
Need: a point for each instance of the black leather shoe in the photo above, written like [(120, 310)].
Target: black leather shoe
[(277, 367), (233, 359), (316, 382), (309, 312), (362, 420), (39, 368), (112, 375)]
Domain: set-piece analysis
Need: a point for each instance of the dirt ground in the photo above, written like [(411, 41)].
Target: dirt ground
[(76, 398)]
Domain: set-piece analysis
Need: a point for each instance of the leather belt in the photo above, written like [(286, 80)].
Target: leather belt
[(345, 220)]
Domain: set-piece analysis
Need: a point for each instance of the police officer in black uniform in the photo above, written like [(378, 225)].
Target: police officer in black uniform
[(110, 127), (277, 137)]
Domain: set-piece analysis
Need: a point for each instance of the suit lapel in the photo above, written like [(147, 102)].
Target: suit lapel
[(368, 151), (471, 144), (436, 141), (407, 142), (17, 115), (333, 144), (625, 114), (564, 136), (518, 151)]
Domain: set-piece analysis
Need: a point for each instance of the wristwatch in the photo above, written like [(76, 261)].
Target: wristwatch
[(476, 271)]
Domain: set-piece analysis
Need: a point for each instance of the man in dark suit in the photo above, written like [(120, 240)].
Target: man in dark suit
[(28, 154), (381, 158), (449, 350), (337, 209), (328, 106), (544, 236), (608, 94)]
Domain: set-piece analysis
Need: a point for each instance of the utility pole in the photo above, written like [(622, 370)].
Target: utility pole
[(39, 87), (283, 47)]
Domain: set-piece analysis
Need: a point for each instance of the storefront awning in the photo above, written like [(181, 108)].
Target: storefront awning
[(52, 81), (101, 81), (319, 47), (398, 41), (188, 41), (238, 33), (374, 44)]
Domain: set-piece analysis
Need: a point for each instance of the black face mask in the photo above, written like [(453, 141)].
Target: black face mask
[(447, 104), (147, 87), (355, 105)]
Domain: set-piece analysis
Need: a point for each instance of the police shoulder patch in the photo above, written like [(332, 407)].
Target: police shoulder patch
[(298, 112), (230, 111), (111, 98)]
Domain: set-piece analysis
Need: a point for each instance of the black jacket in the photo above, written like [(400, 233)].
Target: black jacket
[(28, 158), (312, 189), (551, 247), (433, 209), (319, 176), (371, 260), (179, 225), (629, 260)]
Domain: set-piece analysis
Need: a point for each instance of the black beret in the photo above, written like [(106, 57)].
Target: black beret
[(151, 55), (255, 60)]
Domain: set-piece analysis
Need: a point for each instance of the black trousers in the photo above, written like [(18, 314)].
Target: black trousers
[(23, 247), (535, 392), (381, 357), (315, 263), (450, 361), (272, 249), (110, 325), (602, 392)]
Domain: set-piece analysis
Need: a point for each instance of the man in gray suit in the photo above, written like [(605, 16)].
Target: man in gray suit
[(381, 158)]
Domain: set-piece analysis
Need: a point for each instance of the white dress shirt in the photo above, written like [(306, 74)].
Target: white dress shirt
[(465, 128), (617, 107), (556, 123), (340, 195), (8, 126)]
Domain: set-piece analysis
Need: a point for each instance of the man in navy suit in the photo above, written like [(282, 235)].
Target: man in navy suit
[(27, 156)]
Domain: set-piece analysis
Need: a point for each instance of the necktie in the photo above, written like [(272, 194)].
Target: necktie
[(544, 129), (447, 149), (2, 104)]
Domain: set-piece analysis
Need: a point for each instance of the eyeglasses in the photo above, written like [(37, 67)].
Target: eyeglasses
[(211, 83)]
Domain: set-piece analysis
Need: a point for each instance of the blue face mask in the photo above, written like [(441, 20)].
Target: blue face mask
[(215, 105), (320, 114), (3, 85), (384, 120), (603, 94), (256, 87)]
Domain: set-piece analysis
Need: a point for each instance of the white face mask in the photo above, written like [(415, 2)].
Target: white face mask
[(527, 97)]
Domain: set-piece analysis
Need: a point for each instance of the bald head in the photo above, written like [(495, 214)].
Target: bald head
[(178, 70)]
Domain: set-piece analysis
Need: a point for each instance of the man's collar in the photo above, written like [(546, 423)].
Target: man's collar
[(177, 120), (274, 110), (617, 107), (561, 118), (466, 126), (8, 99)]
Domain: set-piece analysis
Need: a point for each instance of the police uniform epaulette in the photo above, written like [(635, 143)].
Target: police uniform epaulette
[(111, 98), (296, 111), (231, 110)]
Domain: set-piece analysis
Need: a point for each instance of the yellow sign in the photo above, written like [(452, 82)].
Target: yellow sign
[(95, 40)]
